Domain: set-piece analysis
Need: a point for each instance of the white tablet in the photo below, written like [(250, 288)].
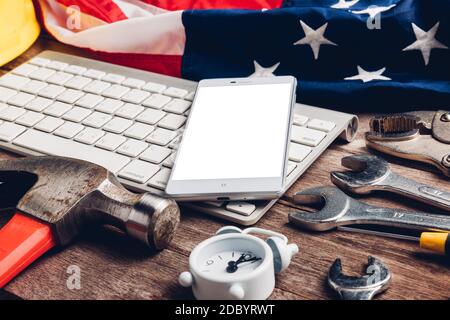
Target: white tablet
[(235, 144)]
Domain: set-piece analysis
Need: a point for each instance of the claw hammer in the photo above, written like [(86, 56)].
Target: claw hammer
[(55, 197)]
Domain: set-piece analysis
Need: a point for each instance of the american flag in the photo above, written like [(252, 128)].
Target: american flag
[(359, 55)]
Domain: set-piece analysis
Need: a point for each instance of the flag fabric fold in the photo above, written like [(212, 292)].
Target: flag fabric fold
[(359, 55)]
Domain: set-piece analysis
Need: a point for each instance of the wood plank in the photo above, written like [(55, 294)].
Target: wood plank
[(114, 267)]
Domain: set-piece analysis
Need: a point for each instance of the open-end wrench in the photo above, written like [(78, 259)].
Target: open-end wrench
[(340, 209), (373, 173), (375, 281)]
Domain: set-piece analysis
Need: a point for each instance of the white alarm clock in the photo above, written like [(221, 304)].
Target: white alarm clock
[(235, 265)]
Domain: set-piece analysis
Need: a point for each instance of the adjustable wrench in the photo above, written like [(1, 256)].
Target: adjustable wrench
[(419, 135), (340, 210), (373, 173)]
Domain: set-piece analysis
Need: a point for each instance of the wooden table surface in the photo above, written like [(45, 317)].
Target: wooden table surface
[(112, 267)]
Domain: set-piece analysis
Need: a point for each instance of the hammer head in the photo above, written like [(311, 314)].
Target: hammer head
[(367, 171), (67, 193)]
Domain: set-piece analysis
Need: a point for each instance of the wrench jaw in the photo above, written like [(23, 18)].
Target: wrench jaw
[(375, 281), (368, 171), (336, 204)]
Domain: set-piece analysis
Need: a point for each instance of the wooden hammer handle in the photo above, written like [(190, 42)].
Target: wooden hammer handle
[(22, 240)]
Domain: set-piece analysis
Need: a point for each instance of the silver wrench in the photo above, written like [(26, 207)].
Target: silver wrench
[(375, 281), (341, 210), (373, 173)]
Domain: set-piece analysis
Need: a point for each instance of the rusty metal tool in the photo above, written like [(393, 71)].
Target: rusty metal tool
[(372, 173), (340, 210), (375, 281), (420, 135), (55, 197)]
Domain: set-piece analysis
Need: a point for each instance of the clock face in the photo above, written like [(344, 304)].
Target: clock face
[(230, 258), (231, 262)]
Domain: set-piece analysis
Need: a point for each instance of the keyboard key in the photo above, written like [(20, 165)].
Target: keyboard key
[(216, 204), (175, 143), (160, 179), (51, 91), (150, 116), (161, 136), (8, 131), (29, 118), (110, 141), (322, 125), (41, 74), (13, 82), (290, 168), (21, 99), (298, 152), (109, 105), (95, 74), (38, 104), (57, 109), (25, 69), (154, 87), (97, 87), (6, 93), (135, 96), (42, 62), (57, 65), (89, 101), (139, 131), (77, 114), (133, 83), (129, 110), (49, 124), (178, 106), (172, 121), (70, 96), (306, 136), (97, 119), (89, 136), (117, 125), (113, 78), (155, 154), (175, 92), (132, 148), (240, 207), (156, 101), (10, 113), (138, 171), (115, 91), (300, 120), (73, 69), (58, 146), (69, 130), (77, 82), (34, 86), (190, 96), (60, 78), (170, 160)]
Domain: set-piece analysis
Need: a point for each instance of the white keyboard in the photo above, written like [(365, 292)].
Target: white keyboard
[(131, 122)]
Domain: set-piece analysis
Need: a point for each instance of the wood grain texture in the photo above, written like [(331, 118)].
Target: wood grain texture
[(114, 267)]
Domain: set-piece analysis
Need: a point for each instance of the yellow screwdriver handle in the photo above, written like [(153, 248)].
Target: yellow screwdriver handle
[(438, 242)]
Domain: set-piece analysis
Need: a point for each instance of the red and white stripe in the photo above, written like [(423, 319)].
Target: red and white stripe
[(144, 34)]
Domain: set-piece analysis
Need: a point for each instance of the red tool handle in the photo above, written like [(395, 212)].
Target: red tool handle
[(22, 240)]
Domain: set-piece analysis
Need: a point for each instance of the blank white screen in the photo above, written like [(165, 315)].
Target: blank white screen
[(235, 132)]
